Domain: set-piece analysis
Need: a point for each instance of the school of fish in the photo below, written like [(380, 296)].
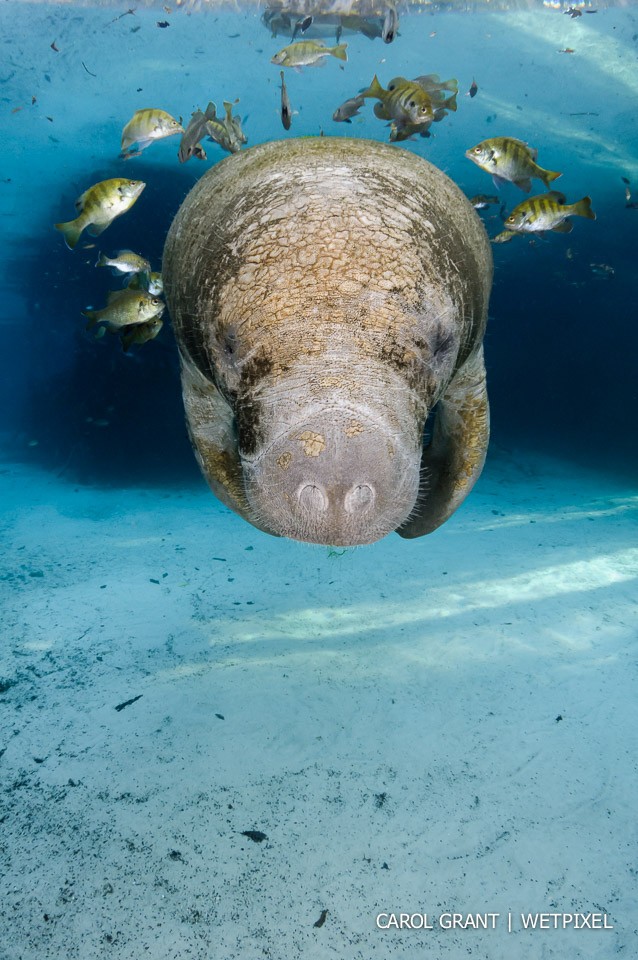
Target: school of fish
[(408, 106)]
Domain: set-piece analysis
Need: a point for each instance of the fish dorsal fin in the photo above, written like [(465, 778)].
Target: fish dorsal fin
[(563, 227), (211, 111), (396, 81), (557, 196), (114, 295)]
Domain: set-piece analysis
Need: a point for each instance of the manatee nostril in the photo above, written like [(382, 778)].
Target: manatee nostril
[(359, 498), (311, 497)]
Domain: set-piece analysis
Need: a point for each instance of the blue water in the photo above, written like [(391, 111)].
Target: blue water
[(445, 724), (561, 342)]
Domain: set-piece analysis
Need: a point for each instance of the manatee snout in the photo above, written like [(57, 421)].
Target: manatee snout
[(338, 478)]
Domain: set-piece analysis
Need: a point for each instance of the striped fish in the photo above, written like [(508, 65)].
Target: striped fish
[(125, 308), (144, 127), (510, 160), (99, 206), (549, 211), (304, 53), (404, 101)]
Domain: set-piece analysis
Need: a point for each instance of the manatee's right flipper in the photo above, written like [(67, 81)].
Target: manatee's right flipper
[(211, 426), (453, 461)]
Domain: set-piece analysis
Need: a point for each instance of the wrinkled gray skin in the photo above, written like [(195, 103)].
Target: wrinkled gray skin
[(327, 294)]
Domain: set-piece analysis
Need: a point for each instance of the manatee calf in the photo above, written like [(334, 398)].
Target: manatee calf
[(327, 295)]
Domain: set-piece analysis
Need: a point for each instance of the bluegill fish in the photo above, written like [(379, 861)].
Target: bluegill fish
[(508, 159), (150, 282), (431, 82), (370, 27), (548, 211), (144, 127), (125, 261), (435, 89), (305, 53), (124, 308), (350, 108), (190, 145), (99, 206), (140, 333), (390, 24), (404, 101), (228, 132)]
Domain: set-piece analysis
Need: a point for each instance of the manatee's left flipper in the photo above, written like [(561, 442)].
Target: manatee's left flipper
[(453, 461)]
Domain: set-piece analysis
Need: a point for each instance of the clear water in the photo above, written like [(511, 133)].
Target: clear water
[(441, 725)]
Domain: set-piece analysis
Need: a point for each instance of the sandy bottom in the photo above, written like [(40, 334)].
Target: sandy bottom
[(443, 725)]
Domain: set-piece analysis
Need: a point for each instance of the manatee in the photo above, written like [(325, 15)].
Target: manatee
[(329, 298)]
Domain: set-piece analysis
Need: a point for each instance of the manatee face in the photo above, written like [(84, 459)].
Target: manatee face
[(338, 476), (326, 295)]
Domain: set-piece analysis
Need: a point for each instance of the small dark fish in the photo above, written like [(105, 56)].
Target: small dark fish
[(286, 112), (162, 24), (301, 26), (322, 919), (390, 25), (473, 88), (350, 108), (573, 12), (567, 50), (626, 180), (53, 47)]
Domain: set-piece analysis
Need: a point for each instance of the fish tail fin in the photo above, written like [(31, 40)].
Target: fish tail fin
[(583, 209), (102, 260), (340, 51), (450, 103), (71, 231), (548, 176), (91, 316), (374, 90), (452, 85)]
